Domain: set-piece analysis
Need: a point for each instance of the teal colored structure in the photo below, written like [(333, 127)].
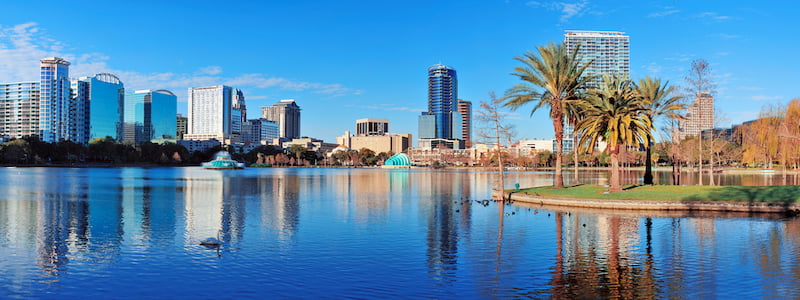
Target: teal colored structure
[(223, 160), (399, 159)]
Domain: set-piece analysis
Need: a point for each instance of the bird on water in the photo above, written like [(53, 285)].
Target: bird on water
[(211, 242)]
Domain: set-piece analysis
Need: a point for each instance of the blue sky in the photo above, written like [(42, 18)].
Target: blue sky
[(346, 60)]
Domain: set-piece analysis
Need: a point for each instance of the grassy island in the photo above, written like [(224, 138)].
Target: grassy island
[(668, 197)]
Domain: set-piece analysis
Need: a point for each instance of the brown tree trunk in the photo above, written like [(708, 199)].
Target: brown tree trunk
[(558, 126), (575, 155), (648, 167), (615, 183)]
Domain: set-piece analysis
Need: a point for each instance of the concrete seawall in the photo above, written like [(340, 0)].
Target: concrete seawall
[(718, 206)]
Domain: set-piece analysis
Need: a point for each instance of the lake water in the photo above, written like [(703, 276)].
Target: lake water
[(364, 233)]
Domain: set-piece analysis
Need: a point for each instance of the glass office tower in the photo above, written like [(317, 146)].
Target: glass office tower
[(104, 95), (164, 108), (442, 97), (54, 99), (150, 117)]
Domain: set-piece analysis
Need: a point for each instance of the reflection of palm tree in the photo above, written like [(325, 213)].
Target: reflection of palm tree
[(614, 114), (559, 73)]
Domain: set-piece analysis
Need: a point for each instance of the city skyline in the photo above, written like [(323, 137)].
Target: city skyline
[(306, 53)]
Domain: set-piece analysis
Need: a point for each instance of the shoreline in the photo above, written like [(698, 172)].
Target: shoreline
[(647, 205)]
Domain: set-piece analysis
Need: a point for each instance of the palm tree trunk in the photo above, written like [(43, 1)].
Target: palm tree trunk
[(648, 167), (615, 184), (558, 126), (575, 155)]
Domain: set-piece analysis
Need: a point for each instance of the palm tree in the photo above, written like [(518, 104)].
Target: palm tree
[(558, 73), (659, 100), (615, 114)]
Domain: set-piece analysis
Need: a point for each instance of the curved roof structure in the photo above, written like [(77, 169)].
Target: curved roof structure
[(167, 92), (108, 78), (399, 159)]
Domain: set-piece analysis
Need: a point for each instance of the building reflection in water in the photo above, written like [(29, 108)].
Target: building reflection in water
[(596, 255), (61, 220), (443, 197), (366, 196), (280, 204), (215, 205)]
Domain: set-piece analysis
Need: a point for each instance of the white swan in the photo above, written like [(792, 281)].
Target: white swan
[(212, 242)]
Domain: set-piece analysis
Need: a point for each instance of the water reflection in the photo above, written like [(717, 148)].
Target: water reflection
[(366, 234)]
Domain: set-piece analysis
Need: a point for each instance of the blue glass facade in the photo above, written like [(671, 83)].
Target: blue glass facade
[(162, 118), (427, 126), (54, 99), (149, 117), (106, 106), (442, 97), (136, 129)]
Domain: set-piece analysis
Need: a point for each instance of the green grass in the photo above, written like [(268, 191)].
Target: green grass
[(774, 194)]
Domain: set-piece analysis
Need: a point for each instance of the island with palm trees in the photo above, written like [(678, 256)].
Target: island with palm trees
[(620, 112)]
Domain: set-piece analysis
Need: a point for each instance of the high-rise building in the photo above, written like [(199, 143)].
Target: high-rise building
[(238, 110), (442, 107), (427, 126), (699, 116), (609, 51), (150, 117), (442, 95), (259, 131), (54, 99), (287, 114), (98, 107), (212, 114), (367, 127), (180, 125), (79, 127), (465, 109), (19, 109)]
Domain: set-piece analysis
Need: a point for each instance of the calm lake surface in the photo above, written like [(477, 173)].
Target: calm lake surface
[(366, 233)]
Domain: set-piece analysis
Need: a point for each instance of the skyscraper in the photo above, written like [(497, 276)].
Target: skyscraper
[(441, 122), (287, 114), (149, 117), (699, 116), (54, 99), (442, 95), (181, 123), (608, 52), (19, 109), (239, 110), (465, 109), (98, 106), (212, 115)]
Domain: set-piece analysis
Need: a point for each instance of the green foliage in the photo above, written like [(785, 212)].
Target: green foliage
[(552, 78), (31, 150)]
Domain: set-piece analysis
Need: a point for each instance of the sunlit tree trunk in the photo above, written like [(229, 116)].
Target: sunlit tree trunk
[(575, 155), (615, 183), (558, 126)]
